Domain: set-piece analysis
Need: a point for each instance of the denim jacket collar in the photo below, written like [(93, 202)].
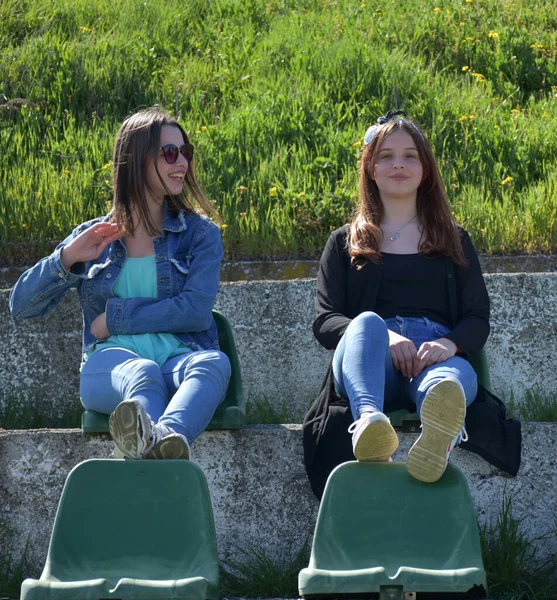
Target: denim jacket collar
[(173, 223), (176, 224)]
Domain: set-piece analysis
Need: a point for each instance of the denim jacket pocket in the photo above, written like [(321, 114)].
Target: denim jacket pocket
[(91, 286), (179, 272)]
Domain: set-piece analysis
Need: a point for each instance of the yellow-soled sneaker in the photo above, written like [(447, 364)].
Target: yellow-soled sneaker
[(373, 437), (442, 415)]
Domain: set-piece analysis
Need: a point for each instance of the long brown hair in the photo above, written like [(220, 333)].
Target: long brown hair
[(439, 236), (137, 142)]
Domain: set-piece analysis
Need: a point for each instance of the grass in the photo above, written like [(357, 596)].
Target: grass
[(515, 570), (12, 573), (258, 576), (535, 406), (16, 416), (276, 95), (261, 410)]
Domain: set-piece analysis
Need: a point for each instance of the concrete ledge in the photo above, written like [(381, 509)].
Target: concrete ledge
[(39, 359), (261, 497)]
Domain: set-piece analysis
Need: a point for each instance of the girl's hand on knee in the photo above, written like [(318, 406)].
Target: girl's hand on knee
[(89, 244), (403, 353), (431, 353), (99, 328)]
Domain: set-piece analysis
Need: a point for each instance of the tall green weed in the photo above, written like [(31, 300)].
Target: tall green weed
[(276, 95)]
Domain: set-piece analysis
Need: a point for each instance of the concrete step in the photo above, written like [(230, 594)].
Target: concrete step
[(280, 359), (260, 493)]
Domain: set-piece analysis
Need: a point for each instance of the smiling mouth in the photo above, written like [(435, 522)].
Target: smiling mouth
[(399, 177)]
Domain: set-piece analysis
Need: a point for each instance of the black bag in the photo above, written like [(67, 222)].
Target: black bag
[(327, 442)]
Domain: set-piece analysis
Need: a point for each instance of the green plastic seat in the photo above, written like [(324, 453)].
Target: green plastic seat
[(231, 414), (409, 421), (380, 529), (131, 529)]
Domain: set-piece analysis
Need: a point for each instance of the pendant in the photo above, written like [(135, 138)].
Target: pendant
[(395, 236)]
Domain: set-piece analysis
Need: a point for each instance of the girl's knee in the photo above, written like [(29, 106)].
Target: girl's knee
[(371, 324)]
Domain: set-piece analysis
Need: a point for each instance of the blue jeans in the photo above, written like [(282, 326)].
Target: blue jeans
[(182, 394), (364, 373)]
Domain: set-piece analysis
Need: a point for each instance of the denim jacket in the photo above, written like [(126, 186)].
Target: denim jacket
[(188, 256)]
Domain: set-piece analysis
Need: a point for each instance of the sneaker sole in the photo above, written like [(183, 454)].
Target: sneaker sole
[(443, 413), (377, 442), (171, 447), (124, 424)]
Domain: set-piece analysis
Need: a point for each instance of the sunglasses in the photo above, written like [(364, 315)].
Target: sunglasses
[(171, 152)]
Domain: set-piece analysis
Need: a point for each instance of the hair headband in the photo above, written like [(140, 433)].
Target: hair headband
[(389, 116)]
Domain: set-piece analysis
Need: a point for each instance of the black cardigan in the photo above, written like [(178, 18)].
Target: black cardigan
[(343, 292)]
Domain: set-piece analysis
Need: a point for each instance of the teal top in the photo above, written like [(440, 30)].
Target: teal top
[(138, 279)]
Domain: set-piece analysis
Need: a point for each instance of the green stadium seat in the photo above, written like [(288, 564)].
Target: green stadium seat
[(231, 414), (380, 531), (131, 529)]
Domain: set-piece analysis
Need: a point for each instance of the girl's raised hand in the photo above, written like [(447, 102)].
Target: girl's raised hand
[(403, 353), (89, 244), (434, 352)]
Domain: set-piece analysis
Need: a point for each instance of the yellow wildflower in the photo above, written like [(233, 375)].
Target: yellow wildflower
[(536, 46), (203, 128), (106, 166), (465, 68), (224, 226), (83, 28), (479, 77), (507, 180), (468, 39), (436, 10), (463, 118), (301, 194), (241, 189), (493, 35), (515, 111), (273, 192), (497, 127), (358, 143)]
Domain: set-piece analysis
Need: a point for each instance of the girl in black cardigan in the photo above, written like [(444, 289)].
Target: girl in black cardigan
[(402, 300)]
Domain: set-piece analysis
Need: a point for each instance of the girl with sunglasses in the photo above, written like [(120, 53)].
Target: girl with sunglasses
[(147, 276), (402, 300)]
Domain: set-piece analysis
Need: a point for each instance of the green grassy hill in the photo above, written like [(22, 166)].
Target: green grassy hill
[(277, 95)]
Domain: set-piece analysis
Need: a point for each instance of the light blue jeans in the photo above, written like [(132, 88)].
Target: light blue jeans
[(182, 394), (364, 373)]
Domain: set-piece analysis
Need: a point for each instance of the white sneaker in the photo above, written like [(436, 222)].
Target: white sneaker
[(131, 429), (373, 437), (443, 413), (172, 446)]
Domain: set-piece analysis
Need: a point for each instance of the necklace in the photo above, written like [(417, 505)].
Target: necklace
[(395, 234)]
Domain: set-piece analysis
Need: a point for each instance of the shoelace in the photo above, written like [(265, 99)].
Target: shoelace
[(352, 427), (461, 437)]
